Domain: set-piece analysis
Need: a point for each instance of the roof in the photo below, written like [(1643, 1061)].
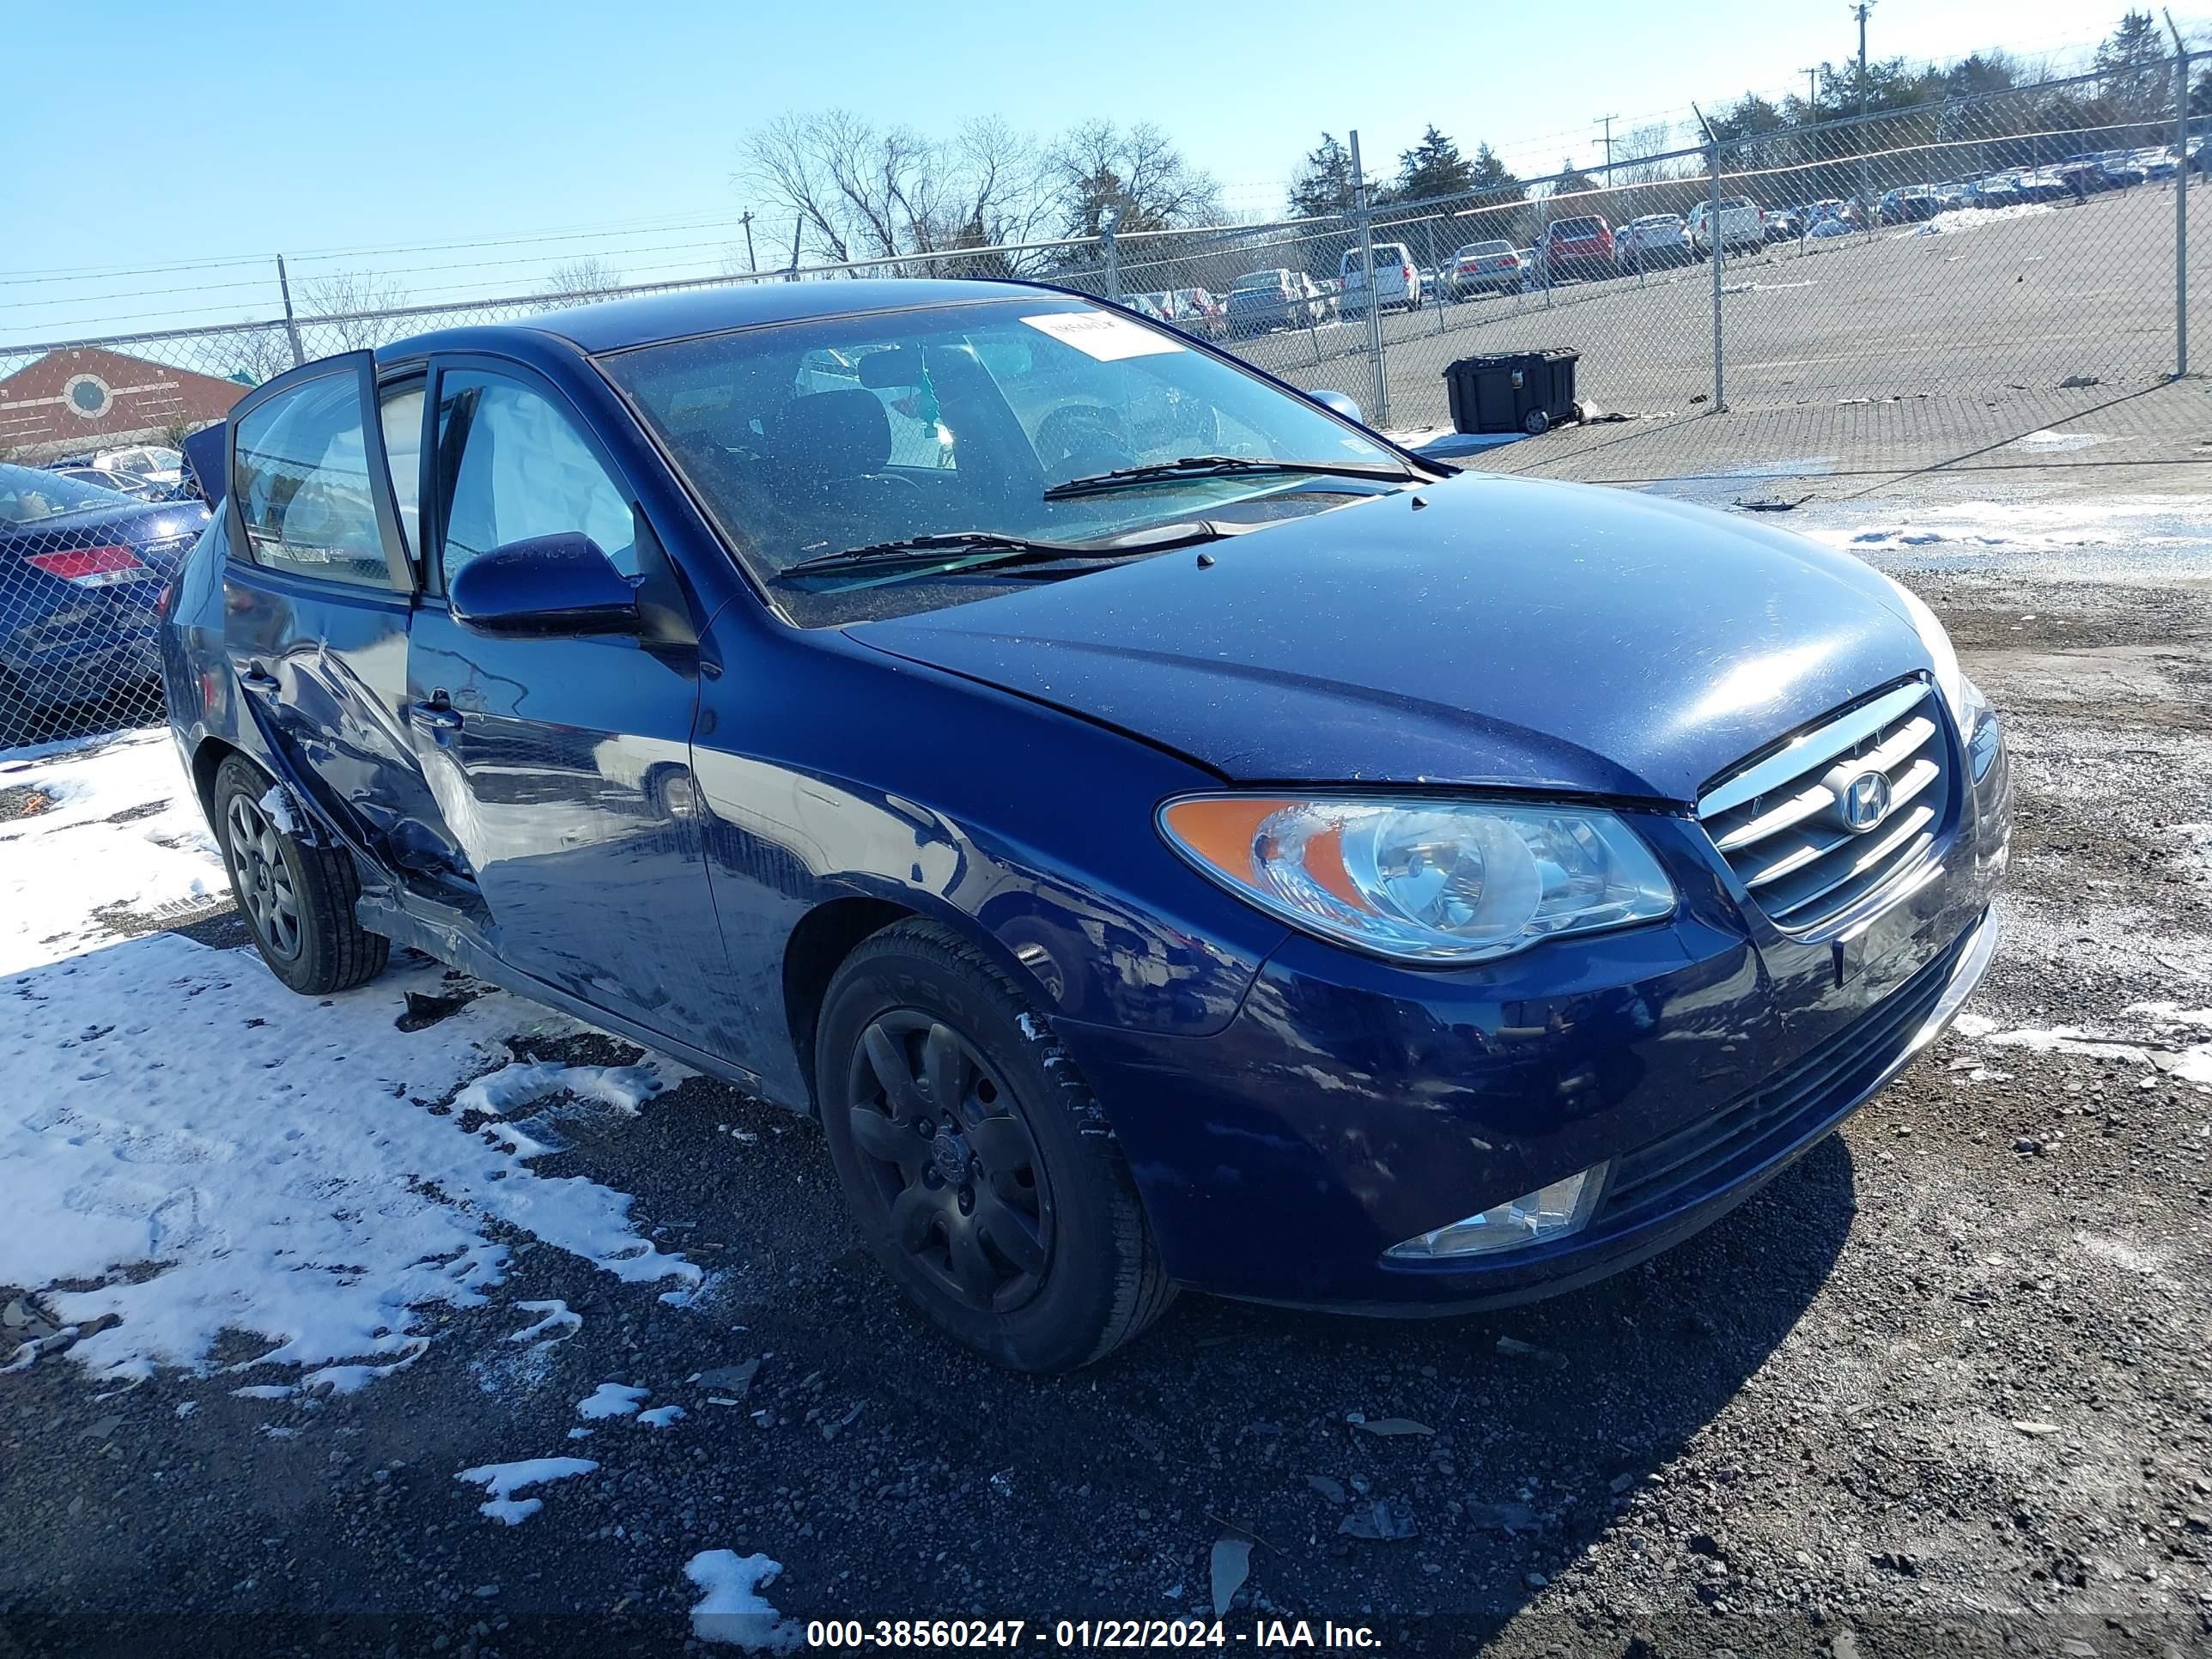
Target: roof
[(615, 324)]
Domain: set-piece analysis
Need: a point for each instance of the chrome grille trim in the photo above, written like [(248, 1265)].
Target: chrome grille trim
[(1781, 822)]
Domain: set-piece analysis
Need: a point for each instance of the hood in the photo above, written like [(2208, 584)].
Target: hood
[(1513, 632)]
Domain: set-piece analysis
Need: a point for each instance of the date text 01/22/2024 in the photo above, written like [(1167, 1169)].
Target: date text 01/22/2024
[(1280, 1635)]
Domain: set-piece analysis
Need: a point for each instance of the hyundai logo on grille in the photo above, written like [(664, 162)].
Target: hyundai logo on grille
[(1866, 801)]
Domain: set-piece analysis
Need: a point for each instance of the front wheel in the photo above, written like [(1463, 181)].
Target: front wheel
[(297, 899), (974, 1161)]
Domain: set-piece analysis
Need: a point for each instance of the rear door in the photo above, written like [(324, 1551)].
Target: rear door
[(564, 762), (317, 601)]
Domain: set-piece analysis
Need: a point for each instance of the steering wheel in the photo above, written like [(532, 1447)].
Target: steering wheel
[(1082, 438)]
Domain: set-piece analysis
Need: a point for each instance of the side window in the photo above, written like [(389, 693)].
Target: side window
[(303, 485), (400, 409), (512, 466)]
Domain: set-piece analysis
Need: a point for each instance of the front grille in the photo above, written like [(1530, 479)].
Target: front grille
[(1783, 823), (1715, 1151)]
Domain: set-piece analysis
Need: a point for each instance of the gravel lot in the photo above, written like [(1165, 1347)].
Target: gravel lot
[(1944, 1389), (1889, 350)]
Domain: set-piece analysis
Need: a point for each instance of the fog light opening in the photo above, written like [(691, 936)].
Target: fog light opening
[(1559, 1210)]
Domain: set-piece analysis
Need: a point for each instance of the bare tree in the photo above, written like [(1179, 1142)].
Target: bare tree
[(1136, 172), (335, 312), (581, 279), (258, 355)]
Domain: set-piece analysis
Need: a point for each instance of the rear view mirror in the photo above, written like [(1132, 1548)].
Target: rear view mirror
[(549, 585), (1337, 402)]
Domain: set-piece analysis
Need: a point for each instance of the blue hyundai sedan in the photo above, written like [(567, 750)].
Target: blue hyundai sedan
[(1170, 835)]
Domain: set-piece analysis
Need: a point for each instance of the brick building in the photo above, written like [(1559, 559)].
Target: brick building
[(88, 399)]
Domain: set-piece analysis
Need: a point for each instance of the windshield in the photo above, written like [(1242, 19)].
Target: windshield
[(851, 432), (27, 495)]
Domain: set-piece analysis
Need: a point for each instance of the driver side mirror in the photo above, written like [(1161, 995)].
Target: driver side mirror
[(1337, 402), (545, 587)]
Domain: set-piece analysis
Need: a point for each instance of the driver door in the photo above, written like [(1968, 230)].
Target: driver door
[(563, 763)]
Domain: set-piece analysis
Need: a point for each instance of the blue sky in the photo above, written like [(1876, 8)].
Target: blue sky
[(244, 129)]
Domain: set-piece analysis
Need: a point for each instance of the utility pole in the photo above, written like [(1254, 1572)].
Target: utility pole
[(1608, 121), (1379, 410), (1812, 96), (291, 327), (746, 220)]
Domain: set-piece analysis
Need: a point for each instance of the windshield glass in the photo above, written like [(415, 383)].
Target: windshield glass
[(27, 495), (818, 438)]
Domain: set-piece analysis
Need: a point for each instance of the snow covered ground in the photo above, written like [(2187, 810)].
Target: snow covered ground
[(190, 1150)]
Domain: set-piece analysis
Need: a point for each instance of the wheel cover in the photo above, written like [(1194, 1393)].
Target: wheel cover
[(939, 1134), (264, 880)]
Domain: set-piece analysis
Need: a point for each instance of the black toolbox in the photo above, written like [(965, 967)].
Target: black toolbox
[(1513, 392)]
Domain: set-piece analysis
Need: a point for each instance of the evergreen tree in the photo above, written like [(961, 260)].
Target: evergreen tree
[(1323, 182), (2135, 68), (1432, 168), (1491, 177)]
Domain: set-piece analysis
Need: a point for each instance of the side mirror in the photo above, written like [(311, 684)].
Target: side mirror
[(549, 585), (1340, 404)]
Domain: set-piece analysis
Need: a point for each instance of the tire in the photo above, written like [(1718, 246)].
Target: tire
[(297, 900), (1025, 1243), (1536, 423)]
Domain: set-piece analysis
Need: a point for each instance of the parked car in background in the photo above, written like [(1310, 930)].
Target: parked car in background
[(1490, 267), (2121, 169), (1908, 204), (1654, 240), (1784, 224), (1579, 249), (2156, 162), (81, 567), (1397, 279), (1276, 298), (1127, 920), (1200, 311), (122, 483), (157, 463), (1741, 226)]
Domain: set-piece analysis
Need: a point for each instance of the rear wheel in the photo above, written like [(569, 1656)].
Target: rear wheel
[(297, 900), (973, 1159)]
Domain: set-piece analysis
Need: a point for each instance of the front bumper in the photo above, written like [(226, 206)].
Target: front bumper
[(1353, 1105)]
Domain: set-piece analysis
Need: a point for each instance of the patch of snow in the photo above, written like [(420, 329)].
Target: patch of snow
[(503, 1480), (277, 807), (1951, 221), (579, 1434), (661, 1417), (2047, 442), (65, 871), (186, 1407), (264, 1391), (625, 1088), (174, 1105), (730, 1609), (611, 1399)]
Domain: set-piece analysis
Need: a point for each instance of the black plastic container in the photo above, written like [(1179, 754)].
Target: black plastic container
[(1527, 391)]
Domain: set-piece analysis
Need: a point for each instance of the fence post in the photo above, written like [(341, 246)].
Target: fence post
[(2180, 205), (1379, 407), (291, 328), (1110, 254), (1716, 257)]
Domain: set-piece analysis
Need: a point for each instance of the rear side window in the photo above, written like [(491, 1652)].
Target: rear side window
[(512, 467), (303, 485)]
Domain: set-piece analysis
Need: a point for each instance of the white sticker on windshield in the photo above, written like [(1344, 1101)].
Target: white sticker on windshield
[(1102, 335)]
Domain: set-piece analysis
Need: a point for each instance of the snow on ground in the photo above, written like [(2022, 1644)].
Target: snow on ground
[(611, 1399), (503, 1480), (209, 1152), (662, 1417), (97, 829), (731, 1608), (2125, 538), (1954, 220)]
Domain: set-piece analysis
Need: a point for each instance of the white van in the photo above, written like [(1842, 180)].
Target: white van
[(1397, 280)]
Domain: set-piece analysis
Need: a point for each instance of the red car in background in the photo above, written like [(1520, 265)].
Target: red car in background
[(1578, 249)]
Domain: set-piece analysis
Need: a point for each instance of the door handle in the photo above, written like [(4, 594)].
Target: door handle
[(260, 680), (436, 716)]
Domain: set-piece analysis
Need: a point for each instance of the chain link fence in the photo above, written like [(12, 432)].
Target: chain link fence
[(2002, 279)]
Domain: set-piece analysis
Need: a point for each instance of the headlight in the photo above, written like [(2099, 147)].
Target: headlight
[(1432, 881), (1979, 728), (1937, 643)]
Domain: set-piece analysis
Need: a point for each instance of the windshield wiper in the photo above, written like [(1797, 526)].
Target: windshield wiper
[(958, 550), (1224, 466)]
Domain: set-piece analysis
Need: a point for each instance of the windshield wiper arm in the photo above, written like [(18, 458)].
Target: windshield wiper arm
[(961, 548), (1225, 466)]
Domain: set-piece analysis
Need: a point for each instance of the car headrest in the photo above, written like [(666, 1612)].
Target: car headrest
[(831, 434)]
